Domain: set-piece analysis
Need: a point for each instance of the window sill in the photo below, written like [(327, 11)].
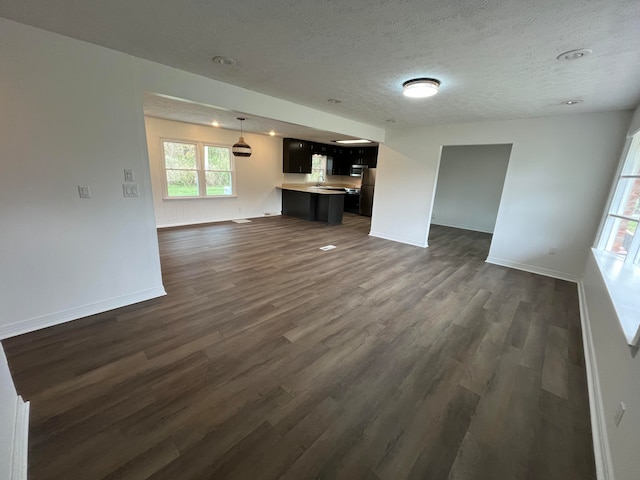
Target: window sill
[(199, 198), (623, 285)]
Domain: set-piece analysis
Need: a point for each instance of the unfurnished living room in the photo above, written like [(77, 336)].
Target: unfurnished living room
[(320, 240)]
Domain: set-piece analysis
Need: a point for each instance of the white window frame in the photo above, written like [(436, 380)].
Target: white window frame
[(616, 197), (320, 172), (200, 170), (621, 276)]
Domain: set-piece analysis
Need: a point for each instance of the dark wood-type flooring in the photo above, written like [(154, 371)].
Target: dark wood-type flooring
[(272, 359)]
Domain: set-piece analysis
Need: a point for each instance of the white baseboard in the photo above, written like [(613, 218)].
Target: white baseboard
[(598, 426), (20, 441), (31, 324), (547, 272), (398, 239), (463, 227)]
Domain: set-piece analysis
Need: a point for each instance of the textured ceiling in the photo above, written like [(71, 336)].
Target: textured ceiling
[(190, 112), (496, 58)]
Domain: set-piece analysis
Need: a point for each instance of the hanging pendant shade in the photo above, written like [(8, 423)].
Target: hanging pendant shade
[(241, 149)]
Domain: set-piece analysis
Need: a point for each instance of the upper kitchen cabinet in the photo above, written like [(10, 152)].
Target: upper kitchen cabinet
[(296, 156), (321, 149), (364, 156)]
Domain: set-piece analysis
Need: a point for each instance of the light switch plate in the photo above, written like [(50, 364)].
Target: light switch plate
[(620, 413), (84, 191), (130, 190), (128, 175)]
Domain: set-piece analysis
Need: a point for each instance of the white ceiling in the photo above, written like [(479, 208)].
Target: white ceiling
[(190, 112), (496, 58)]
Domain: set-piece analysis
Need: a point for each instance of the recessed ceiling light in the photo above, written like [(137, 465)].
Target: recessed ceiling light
[(220, 60), (358, 140), (574, 54), (272, 133), (334, 100), (421, 87), (215, 124), (571, 102)]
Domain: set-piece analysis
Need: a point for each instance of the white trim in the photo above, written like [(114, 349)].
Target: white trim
[(20, 441), (398, 239), (462, 227), (622, 283), (200, 171), (601, 450), (547, 272), (36, 323), (206, 222)]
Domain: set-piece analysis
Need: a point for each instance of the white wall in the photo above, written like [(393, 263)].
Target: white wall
[(469, 186), (616, 367), (558, 178), (256, 176), (69, 116), (614, 371), (14, 422)]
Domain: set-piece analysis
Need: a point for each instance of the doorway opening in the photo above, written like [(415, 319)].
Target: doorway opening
[(469, 186)]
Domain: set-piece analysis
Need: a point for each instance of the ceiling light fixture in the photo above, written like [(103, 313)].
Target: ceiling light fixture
[(421, 87), (272, 133), (574, 54), (215, 124), (334, 100), (354, 141), (571, 102), (220, 60), (241, 149)]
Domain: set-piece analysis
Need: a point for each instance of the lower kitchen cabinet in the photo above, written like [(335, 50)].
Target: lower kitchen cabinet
[(313, 206)]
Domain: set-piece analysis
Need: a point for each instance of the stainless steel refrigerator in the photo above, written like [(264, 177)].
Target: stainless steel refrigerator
[(366, 191)]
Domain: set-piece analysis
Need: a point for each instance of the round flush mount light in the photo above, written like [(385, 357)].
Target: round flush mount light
[(215, 124), (334, 100), (571, 102), (220, 60), (574, 54), (272, 133), (421, 87)]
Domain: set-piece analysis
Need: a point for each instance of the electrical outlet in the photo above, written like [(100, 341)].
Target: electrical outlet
[(128, 175), (84, 191), (619, 413), (130, 190), (552, 251)]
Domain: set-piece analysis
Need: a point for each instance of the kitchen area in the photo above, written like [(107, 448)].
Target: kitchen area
[(321, 181)]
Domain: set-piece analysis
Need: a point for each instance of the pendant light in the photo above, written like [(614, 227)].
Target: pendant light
[(241, 149)]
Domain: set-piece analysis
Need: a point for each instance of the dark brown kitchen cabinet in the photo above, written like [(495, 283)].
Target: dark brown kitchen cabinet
[(365, 156), (337, 163), (371, 157), (296, 156), (321, 149)]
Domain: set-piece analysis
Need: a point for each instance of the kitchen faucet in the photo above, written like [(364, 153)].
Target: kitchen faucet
[(320, 180)]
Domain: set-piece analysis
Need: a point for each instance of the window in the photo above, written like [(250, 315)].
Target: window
[(318, 169), (194, 169), (620, 234)]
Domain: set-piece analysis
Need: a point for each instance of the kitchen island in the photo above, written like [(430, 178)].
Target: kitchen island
[(321, 203)]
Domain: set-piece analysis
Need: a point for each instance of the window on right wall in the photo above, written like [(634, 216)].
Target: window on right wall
[(620, 234)]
